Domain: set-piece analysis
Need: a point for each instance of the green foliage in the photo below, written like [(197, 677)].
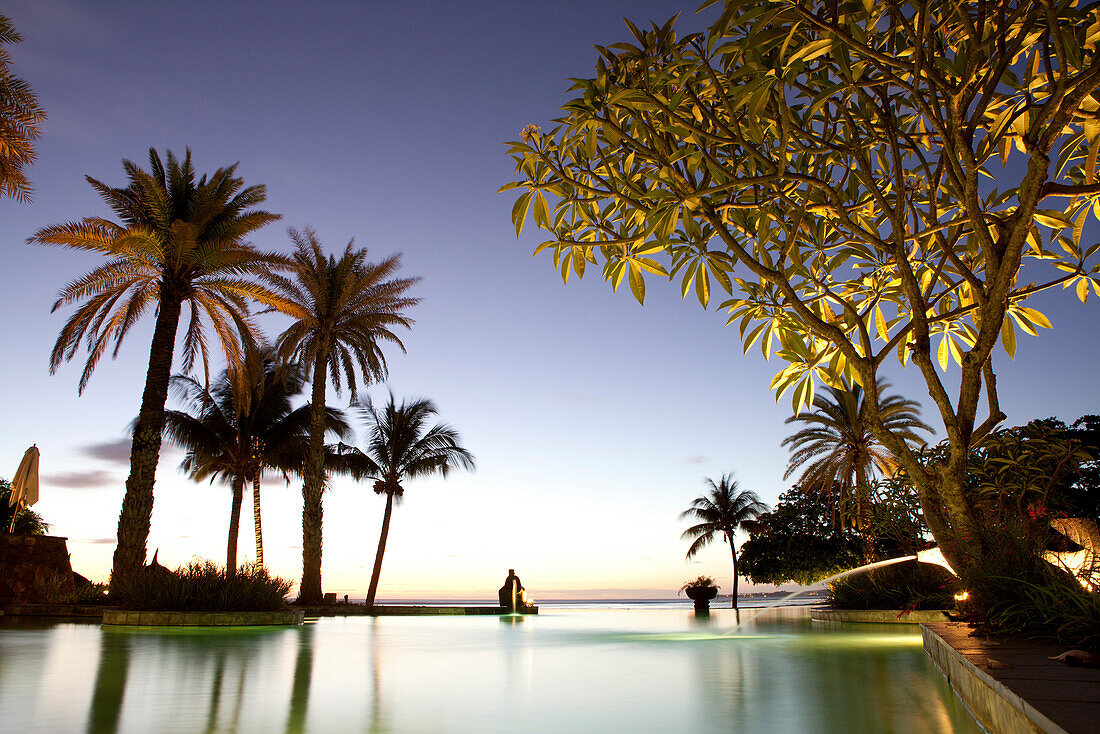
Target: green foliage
[(57, 589), (1043, 609), (798, 541), (841, 457), (20, 120), (700, 582), (91, 594), (202, 586), (864, 181), (909, 585), (1018, 479), (27, 521), (52, 588), (707, 152)]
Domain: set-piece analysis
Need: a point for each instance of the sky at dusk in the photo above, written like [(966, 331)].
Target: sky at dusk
[(594, 420)]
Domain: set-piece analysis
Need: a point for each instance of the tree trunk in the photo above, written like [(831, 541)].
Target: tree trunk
[(313, 485), (373, 590), (234, 524), (137, 504), (256, 520), (863, 522), (733, 552)]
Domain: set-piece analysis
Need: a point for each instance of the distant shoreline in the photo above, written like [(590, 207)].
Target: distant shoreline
[(744, 600)]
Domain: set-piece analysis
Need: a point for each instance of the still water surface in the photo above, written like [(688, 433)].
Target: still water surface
[(635, 669)]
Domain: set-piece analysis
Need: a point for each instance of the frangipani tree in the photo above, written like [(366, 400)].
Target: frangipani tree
[(865, 181)]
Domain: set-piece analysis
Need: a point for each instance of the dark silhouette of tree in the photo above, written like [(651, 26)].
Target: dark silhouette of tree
[(401, 446), (27, 522), (842, 457), (344, 310), (179, 241), (721, 512), (236, 430), (20, 118)]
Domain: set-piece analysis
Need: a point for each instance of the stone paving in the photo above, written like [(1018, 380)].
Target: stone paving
[(1068, 696)]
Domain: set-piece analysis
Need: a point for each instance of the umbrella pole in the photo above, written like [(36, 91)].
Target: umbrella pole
[(14, 512)]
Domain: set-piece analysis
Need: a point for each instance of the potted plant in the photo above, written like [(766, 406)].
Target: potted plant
[(700, 590)]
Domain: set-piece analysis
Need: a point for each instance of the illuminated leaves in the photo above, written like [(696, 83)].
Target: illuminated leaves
[(792, 170)]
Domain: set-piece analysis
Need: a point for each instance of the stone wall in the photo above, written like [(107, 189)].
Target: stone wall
[(28, 562)]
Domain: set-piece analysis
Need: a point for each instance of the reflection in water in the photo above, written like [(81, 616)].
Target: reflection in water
[(303, 675), (110, 683), (577, 670), (377, 716), (215, 697)]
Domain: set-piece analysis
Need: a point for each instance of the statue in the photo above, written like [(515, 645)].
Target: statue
[(511, 594)]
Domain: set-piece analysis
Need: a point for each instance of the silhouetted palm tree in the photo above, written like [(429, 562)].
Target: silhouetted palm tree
[(20, 118), (343, 310), (180, 241), (841, 455), (234, 437), (400, 446), (720, 512)]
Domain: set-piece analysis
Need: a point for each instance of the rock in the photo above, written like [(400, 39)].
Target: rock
[(33, 567)]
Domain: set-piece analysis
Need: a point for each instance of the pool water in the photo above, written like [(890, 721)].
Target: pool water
[(627, 669)]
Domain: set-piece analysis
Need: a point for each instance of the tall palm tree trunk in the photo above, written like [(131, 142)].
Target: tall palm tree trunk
[(733, 552), (137, 504), (373, 590), (256, 520), (312, 513), (234, 524)]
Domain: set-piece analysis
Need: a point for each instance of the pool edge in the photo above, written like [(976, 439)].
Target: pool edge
[(990, 702)]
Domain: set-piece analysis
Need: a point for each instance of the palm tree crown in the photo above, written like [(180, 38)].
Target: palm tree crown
[(234, 437), (837, 447), (401, 446), (178, 242), (20, 118), (343, 310), (720, 512)]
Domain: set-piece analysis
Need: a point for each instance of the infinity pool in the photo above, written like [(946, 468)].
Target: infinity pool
[(629, 669)]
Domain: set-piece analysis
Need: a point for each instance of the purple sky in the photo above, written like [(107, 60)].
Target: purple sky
[(594, 420)]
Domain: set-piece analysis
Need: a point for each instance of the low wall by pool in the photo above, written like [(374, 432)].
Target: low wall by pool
[(878, 616), (201, 619), (995, 707)]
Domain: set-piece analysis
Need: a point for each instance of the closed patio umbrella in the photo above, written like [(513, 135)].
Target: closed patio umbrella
[(24, 487)]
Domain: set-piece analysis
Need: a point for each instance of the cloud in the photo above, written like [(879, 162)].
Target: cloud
[(697, 459), (96, 541), (81, 479), (116, 452)]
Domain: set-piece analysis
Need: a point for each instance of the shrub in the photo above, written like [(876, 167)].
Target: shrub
[(1045, 610), (700, 582), (909, 586), (203, 586)]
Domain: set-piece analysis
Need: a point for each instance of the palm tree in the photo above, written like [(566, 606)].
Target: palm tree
[(841, 455), (401, 446), (721, 511), (343, 309), (179, 241), (234, 436), (20, 118)]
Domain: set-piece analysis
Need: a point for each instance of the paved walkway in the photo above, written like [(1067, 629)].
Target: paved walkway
[(1068, 696)]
